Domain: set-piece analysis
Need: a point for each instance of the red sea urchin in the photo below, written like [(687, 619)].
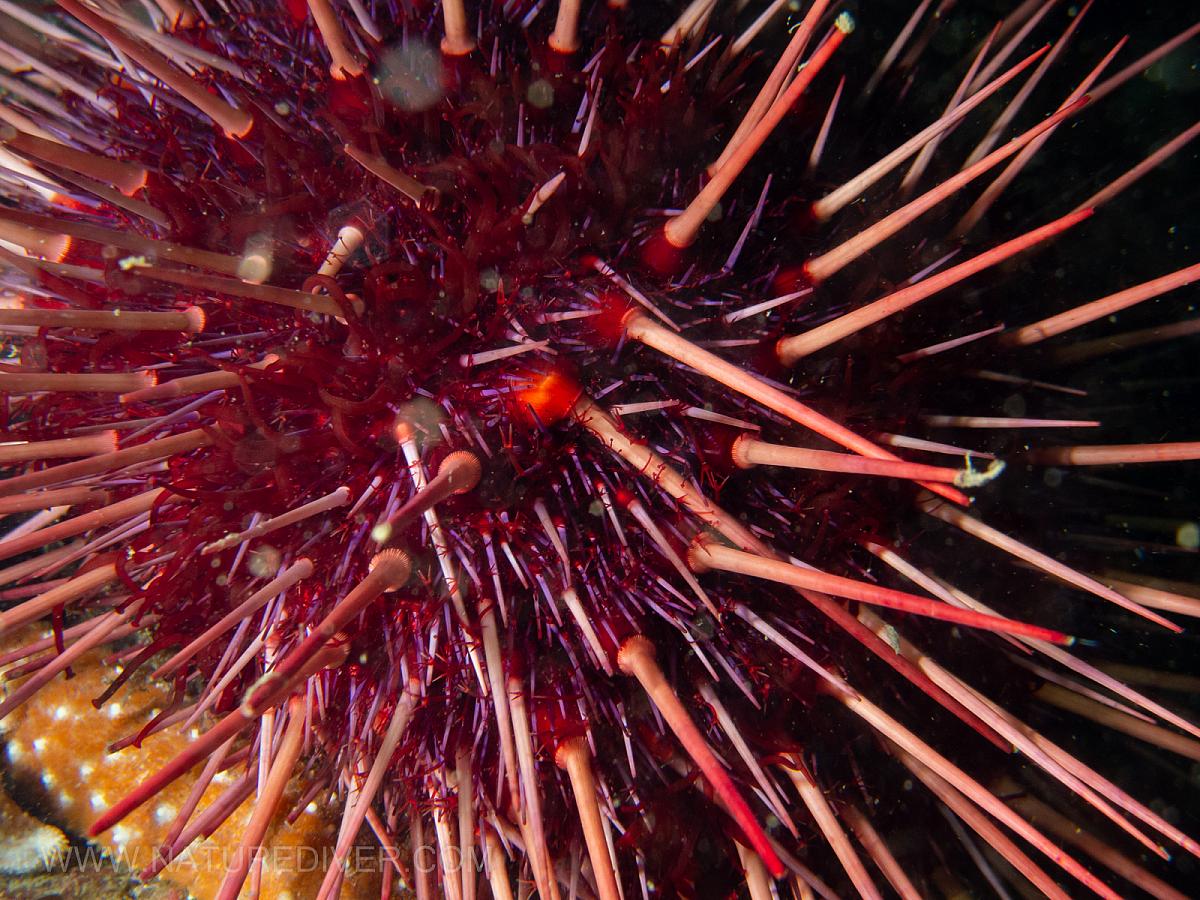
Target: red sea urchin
[(414, 363)]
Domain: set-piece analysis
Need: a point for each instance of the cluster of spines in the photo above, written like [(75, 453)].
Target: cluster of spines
[(306, 642)]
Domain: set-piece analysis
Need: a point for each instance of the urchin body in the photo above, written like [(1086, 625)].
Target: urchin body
[(450, 363)]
